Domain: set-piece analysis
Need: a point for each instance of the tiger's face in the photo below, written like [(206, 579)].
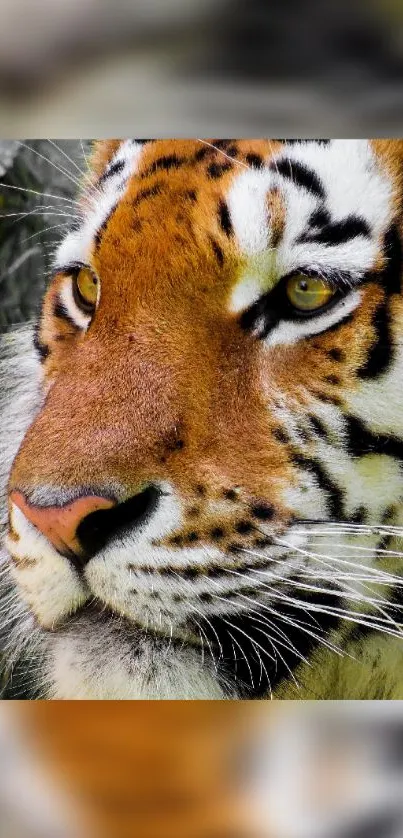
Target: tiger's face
[(220, 351)]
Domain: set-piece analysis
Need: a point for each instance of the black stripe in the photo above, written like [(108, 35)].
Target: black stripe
[(191, 194), (113, 170), (42, 349), (216, 170), (335, 495), (319, 427), (392, 275), (222, 144), (300, 175), (304, 141), (170, 161), (60, 311), (254, 160), (338, 232), (202, 153), (360, 440), (359, 516), (281, 435), (320, 217), (100, 232), (151, 192), (336, 354), (225, 218), (381, 354), (218, 252)]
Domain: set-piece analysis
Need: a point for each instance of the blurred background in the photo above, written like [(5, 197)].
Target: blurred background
[(186, 67), (201, 770), (37, 183)]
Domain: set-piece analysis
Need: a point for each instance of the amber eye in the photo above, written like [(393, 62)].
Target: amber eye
[(308, 293), (86, 289)]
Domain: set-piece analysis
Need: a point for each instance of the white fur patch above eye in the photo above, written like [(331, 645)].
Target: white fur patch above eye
[(352, 179), (247, 202), (354, 187), (78, 245)]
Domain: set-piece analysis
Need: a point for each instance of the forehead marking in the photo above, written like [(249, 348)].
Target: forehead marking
[(78, 244), (248, 209), (317, 207)]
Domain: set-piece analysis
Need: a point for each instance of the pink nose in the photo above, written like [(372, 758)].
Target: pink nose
[(60, 523)]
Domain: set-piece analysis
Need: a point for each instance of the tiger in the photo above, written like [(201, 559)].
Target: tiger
[(202, 434)]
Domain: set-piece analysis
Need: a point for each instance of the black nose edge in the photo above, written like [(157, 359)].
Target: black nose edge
[(98, 528)]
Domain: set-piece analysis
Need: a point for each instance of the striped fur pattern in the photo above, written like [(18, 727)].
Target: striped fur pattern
[(252, 453)]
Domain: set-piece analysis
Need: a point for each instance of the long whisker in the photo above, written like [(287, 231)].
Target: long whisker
[(296, 623), (349, 593), (245, 657), (277, 651), (47, 230), (40, 194), (351, 616), (203, 616), (254, 643), (84, 155), (60, 169), (285, 618), (371, 528), (85, 175), (322, 558), (357, 547), (210, 648), (45, 214), (220, 150), (287, 644), (70, 159)]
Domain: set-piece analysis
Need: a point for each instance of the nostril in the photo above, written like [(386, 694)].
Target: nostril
[(99, 527), (81, 528), (59, 522)]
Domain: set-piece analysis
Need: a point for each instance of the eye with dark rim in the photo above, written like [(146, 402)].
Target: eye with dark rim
[(298, 296), (308, 294), (85, 286)]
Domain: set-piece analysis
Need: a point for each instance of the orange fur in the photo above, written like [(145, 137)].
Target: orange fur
[(165, 385)]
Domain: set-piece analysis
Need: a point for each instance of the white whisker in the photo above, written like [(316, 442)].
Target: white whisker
[(220, 150), (60, 169), (40, 194), (47, 230), (60, 150)]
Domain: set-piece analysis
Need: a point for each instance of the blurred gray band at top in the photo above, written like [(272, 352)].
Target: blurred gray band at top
[(38, 36), (186, 67)]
